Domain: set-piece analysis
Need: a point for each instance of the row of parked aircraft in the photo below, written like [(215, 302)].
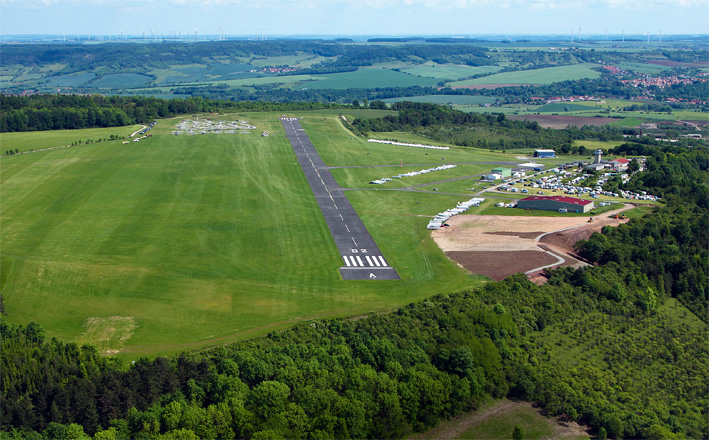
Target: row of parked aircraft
[(411, 174), (440, 219)]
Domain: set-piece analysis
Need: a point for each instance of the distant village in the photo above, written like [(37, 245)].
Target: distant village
[(275, 69)]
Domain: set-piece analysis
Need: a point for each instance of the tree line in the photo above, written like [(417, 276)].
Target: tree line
[(487, 131), (57, 112)]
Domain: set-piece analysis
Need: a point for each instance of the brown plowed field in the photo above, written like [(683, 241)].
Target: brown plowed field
[(562, 121), (500, 265), (678, 63)]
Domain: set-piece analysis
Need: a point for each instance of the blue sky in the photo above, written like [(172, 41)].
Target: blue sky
[(354, 17)]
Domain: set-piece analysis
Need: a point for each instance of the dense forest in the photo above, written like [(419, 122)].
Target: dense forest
[(608, 345)]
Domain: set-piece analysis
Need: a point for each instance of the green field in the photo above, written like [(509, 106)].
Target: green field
[(563, 107), (182, 242), (338, 151), (360, 177), (500, 426), (652, 69), (25, 141), (69, 80), (370, 78), (446, 99), (593, 145), (365, 78), (448, 71), (547, 75), (496, 420), (121, 81), (300, 60)]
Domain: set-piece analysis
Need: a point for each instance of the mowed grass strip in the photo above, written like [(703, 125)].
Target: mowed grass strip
[(339, 147), (360, 177), (198, 239), (35, 140)]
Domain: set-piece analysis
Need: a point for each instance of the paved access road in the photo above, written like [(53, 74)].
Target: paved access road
[(362, 258)]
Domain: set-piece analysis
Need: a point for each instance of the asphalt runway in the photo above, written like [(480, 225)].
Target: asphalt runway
[(361, 257)]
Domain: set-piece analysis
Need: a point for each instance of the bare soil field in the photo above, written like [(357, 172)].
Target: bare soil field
[(500, 265), (562, 121), (491, 86), (678, 63), (498, 246)]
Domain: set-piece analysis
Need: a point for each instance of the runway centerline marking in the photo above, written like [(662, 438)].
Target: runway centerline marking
[(323, 185)]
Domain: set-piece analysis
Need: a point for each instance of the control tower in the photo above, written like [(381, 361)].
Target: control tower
[(597, 156)]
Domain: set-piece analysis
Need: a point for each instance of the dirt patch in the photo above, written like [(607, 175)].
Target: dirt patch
[(562, 121), (477, 232), (491, 86), (108, 334), (532, 235), (565, 240), (500, 265), (498, 246)]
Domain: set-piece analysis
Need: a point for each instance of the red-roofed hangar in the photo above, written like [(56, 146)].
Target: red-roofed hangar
[(555, 203)]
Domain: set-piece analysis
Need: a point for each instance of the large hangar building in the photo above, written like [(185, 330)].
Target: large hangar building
[(556, 203), (544, 153)]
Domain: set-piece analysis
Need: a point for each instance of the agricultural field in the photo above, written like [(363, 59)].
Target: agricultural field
[(370, 78), (449, 71), (563, 121), (652, 69), (69, 80), (546, 75), (220, 240), (457, 100), (121, 81), (563, 107)]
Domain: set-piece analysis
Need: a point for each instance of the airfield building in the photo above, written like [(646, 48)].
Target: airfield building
[(597, 155), (504, 172), (555, 203), (620, 164), (544, 153)]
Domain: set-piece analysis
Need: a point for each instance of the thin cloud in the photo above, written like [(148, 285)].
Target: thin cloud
[(445, 4)]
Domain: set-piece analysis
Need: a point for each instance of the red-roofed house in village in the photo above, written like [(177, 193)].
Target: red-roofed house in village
[(556, 203)]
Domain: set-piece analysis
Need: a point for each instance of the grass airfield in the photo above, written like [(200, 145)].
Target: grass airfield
[(181, 242)]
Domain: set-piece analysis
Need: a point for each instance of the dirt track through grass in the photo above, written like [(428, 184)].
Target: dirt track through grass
[(497, 420)]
